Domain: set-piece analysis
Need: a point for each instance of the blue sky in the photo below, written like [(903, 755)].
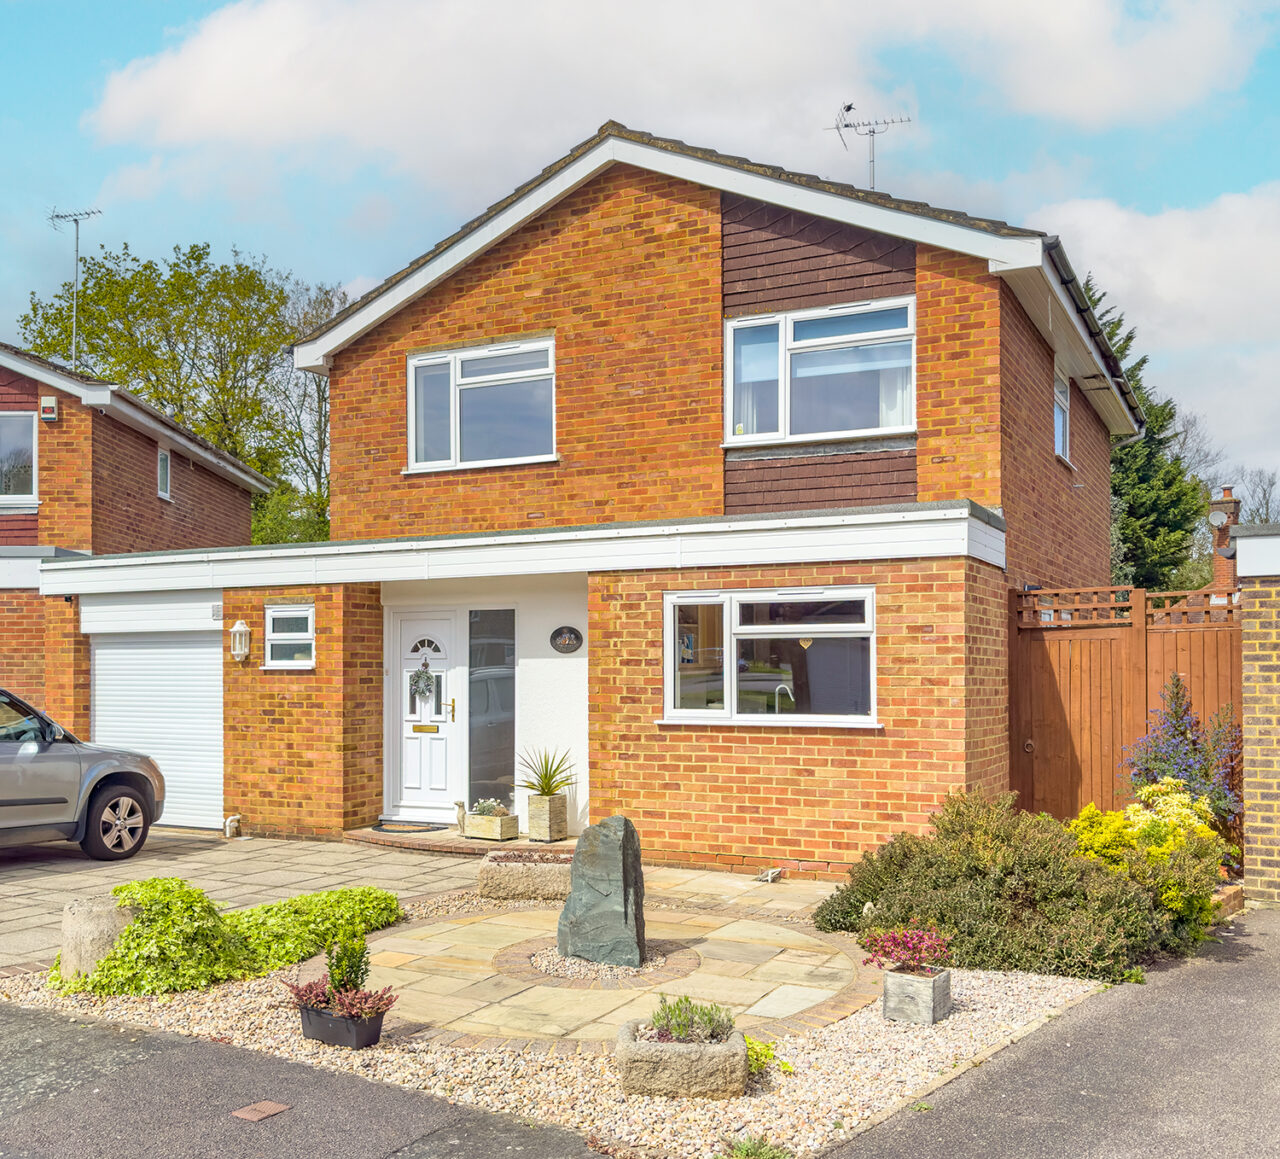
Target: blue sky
[(341, 139)]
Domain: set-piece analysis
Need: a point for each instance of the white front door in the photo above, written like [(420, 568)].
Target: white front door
[(431, 770)]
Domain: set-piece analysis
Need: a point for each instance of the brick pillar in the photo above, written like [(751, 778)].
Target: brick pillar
[(66, 665), (1224, 567), (1260, 684)]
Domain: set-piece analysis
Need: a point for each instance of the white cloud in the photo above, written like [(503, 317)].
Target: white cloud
[(1201, 286), (469, 97)]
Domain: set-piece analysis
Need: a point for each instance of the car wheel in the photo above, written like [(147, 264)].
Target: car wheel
[(117, 824)]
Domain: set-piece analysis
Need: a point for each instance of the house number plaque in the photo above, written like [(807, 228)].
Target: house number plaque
[(566, 639), (426, 728)]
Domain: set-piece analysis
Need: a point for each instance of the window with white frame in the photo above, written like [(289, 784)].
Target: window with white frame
[(17, 457), (290, 639), (162, 473), (787, 657), (482, 406), (1061, 417), (816, 374)]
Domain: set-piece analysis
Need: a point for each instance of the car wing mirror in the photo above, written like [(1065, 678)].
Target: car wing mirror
[(52, 732)]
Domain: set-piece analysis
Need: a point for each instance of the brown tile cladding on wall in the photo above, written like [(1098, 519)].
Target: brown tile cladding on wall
[(777, 259), (812, 482)]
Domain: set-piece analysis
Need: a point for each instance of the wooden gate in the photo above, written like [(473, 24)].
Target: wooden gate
[(1086, 668)]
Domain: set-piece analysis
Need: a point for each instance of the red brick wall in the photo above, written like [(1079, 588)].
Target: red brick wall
[(19, 530), (812, 799), (303, 750), (22, 644), (1059, 519), (625, 272), (66, 666), (798, 482), (957, 378), (204, 509)]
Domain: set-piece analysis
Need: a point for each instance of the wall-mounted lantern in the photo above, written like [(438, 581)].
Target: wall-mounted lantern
[(239, 640)]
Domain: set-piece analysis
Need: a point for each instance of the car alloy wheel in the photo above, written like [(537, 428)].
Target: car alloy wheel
[(121, 824)]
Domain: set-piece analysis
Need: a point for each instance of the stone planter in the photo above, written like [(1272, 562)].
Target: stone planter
[(920, 998), (548, 818), (492, 828), (506, 875), (697, 1070)]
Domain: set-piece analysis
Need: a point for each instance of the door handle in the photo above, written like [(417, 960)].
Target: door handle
[(453, 706)]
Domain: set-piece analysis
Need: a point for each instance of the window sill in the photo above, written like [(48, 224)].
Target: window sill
[(480, 466), (1064, 461), (826, 437), (287, 668), (165, 498), (19, 505), (766, 721)]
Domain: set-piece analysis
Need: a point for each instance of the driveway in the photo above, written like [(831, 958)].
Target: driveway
[(36, 881), (1185, 1066)]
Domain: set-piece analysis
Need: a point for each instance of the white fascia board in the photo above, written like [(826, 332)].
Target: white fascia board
[(90, 395), (853, 537), (170, 611), (1257, 555), (19, 573), (1004, 252)]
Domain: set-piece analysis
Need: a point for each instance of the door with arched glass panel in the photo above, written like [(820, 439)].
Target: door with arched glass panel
[(429, 737)]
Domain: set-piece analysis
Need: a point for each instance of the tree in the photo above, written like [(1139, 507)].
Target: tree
[(1161, 502), (1260, 502)]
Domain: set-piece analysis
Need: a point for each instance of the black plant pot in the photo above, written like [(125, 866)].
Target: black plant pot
[(335, 1030)]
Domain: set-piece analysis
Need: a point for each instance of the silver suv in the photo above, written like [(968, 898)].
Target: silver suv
[(55, 788)]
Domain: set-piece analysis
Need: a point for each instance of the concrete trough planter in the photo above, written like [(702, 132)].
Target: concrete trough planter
[(548, 817), (484, 828), (538, 876), (681, 1070), (920, 998)]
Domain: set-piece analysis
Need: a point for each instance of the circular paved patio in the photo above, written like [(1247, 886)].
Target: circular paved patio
[(468, 977)]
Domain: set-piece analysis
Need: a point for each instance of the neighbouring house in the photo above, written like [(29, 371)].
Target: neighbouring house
[(89, 470), (717, 475)]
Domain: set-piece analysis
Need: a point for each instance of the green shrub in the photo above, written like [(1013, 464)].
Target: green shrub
[(1009, 887), (180, 940), (762, 1055), (348, 963), (284, 932), (757, 1147), (685, 1020)]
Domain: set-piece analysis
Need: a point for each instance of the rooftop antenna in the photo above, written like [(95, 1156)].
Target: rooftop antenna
[(56, 219), (870, 129)]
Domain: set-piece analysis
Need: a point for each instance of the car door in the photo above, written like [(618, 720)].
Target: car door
[(39, 779)]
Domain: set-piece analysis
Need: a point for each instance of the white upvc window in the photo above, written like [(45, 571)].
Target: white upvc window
[(809, 375), (162, 473), (482, 406), (795, 656), (290, 637), (18, 473), (1062, 417)]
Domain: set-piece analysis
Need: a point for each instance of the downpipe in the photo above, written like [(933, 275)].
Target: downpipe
[(231, 826)]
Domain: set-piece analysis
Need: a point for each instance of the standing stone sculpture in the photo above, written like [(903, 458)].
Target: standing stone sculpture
[(603, 920)]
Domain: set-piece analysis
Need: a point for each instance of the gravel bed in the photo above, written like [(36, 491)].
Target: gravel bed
[(844, 1073), (550, 962)]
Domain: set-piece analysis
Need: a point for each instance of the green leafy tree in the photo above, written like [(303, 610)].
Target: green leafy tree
[(1160, 501)]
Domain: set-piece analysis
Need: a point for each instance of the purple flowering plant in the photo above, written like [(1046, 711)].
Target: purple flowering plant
[(913, 949), (1204, 758)]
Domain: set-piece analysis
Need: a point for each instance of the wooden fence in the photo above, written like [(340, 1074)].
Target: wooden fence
[(1086, 668)]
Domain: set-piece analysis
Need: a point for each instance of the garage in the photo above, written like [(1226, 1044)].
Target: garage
[(159, 692)]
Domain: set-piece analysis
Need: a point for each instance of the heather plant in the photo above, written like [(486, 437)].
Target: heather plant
[(910, 948), (1179, 746)]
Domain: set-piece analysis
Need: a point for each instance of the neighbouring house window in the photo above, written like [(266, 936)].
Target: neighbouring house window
[(290, 640), (162, 474), (1062, 418), (17, 456), (785, 657), (815, 374), (482, 406)]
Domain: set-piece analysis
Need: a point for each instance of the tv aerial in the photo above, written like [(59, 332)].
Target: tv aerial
[(870, 129), (56, 220)]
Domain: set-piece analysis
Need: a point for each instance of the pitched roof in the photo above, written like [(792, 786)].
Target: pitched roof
[(133, 411), (1007, 247)]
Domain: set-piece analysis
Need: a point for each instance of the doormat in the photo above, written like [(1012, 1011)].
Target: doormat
[(406, 827)]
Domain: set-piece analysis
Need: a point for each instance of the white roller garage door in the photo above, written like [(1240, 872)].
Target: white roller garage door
[(161, 694)]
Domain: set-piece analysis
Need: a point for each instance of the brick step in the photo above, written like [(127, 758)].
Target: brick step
[(449, 841)]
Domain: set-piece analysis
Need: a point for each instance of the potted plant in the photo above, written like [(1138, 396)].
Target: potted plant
[(917, 988), (489, 820), (334, 1008), (548, 774), (684, 1050)]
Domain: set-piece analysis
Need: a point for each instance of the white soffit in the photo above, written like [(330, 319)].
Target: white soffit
[(932, 533)]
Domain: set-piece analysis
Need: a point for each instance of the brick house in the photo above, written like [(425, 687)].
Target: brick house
[(714, 474), (89, 470)]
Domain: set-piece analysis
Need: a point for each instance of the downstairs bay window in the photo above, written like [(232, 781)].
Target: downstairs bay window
[(803, 656), (843, 371)]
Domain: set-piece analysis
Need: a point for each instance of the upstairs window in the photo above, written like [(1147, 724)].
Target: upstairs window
[(1062, 418), (482, 406), (820, 374), (17, 457), (162, 473)]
